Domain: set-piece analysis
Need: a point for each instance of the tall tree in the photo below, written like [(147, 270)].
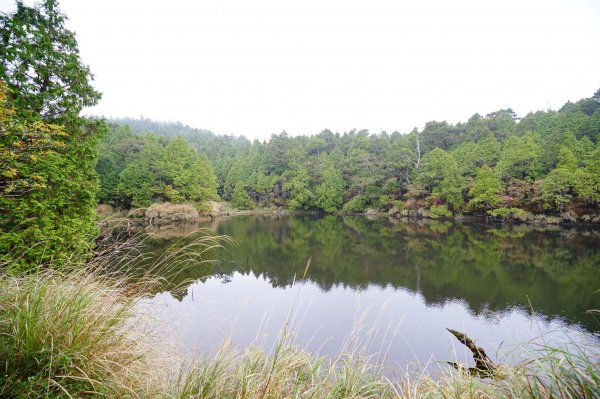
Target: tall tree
[(439, 174), (485, 192), (40, 62), (298, 185), (190, 175), (48, 84), (142, 181), (329, 193)]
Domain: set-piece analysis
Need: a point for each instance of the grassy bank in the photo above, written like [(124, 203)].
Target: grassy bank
[(76, 333)]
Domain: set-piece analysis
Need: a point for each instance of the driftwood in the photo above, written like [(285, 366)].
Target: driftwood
[(484, 366)]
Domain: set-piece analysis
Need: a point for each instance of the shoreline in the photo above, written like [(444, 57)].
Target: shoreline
[(140, 217)]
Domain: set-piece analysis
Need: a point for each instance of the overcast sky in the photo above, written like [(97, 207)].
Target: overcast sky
[(259, 67)]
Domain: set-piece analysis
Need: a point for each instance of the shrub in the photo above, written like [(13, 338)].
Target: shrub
[(439, 211), (167, 212), (356, 204), (506, 213)]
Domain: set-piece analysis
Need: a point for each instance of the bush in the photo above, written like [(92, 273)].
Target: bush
[(356, 204), (439, 211), (240, 198), (506, 213), (167, 212)]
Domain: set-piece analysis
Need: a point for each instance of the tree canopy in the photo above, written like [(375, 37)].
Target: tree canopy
[(543, 162)]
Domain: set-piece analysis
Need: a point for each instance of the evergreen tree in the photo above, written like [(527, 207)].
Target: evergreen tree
[(440, 175), (46, 201), (240, 198), (40, 63), (298, 185), (48, 85), (142, 182), (329, 192), (189, 174), (485, 192), (557, 187)]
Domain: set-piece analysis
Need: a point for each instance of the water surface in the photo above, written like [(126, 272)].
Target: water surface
[(382, 288)]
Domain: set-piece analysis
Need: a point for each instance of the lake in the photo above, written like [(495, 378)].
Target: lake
[(381, 288)]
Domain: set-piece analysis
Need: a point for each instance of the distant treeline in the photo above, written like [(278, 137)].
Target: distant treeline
[(545, 162)]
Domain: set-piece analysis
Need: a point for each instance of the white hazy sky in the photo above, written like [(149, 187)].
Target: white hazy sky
[(259, 67)]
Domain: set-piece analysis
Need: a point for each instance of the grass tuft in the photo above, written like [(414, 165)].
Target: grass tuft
[(63, 334)]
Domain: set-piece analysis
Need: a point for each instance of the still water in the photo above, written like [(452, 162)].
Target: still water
[(380, 288)]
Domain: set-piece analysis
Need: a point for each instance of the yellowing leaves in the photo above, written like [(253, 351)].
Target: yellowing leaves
[(10, 173)]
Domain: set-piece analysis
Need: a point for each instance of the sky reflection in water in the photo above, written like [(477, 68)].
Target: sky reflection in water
[(250, 295)]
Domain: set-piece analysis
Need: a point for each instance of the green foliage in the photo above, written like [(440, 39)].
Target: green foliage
[(47, 188), (204, 187), (329, 192), (356, 204), (506, 213), (265, 183), (148, 171), (49, 185), (439, 172), (189, 173), (116, 150), (439, 211), (39, 61), (433, 167), (141, 182), (586, 181), (557, 187), (240, 198), (298, 185), (470, 155), (485, 192), (520, 158), (566, 159), (438, 165)]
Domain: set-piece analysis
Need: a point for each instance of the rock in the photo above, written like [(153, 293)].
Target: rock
[(371, 212), (569, 216)]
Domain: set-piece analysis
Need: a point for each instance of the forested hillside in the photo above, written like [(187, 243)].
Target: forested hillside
[(545, 162)]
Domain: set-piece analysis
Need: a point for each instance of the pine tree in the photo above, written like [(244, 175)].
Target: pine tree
[(485, 192)]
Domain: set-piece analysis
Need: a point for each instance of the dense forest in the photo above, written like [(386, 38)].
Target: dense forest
[(497, 164)]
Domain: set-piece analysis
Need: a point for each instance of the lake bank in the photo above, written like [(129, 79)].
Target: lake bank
[(117, 354), (164, 214)]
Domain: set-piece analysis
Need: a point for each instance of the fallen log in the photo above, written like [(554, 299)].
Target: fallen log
[(484, 366)]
